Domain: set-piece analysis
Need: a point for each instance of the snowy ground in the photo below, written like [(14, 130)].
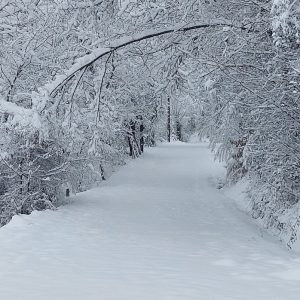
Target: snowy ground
[(158, 229)]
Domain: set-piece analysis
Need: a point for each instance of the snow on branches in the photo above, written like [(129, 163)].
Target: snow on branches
[(286, 23)]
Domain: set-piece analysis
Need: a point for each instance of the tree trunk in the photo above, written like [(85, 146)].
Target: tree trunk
[(169, 120), (133, 151), (102, 172), (142, 141), (178, 130)]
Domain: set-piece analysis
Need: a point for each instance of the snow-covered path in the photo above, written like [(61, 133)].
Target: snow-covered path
[(158, 229)]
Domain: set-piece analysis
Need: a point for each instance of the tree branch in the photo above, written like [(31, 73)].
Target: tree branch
[(97, 54)]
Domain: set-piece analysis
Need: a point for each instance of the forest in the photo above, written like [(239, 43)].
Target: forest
[(87, 84)]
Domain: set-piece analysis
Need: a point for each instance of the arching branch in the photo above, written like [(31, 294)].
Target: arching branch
[(53, 87), (97, 54)]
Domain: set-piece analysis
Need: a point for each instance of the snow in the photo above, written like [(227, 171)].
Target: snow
[(22, 117), (79, 65), (157, 229), (12, 108), (123, 5), (209, 84)]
